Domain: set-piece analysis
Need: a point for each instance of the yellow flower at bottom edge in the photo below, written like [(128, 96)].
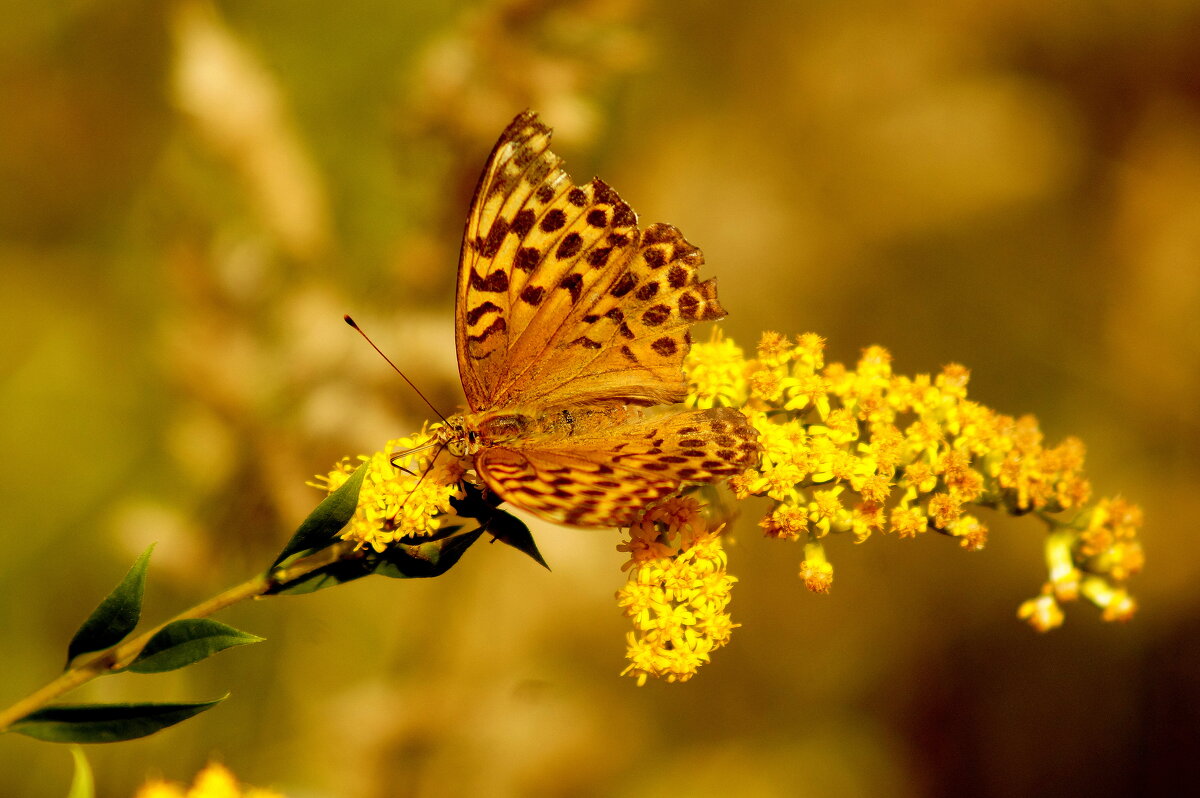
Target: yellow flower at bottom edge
[(215, 781)]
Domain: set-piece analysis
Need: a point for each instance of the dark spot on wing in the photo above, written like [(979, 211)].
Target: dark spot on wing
[(573, 284), (570, 246), (654, 257), (553, 220), (658, 233), (494, 283), (677, 276), (495, 238), (656, 315), (523, 222), (626, 283), (527, 259), (623, 216), (665, 346), (497, 326), (532, 294), (647, 292), (599, 256), (479, 311)]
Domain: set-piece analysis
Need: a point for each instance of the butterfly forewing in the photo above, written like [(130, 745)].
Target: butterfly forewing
[(564, 303), (626, 341), (520, 183)]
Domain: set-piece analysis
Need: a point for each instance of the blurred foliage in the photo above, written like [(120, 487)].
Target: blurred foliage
[(195, 193)]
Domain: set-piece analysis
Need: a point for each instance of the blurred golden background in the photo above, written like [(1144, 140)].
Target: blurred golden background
[(194, 193)]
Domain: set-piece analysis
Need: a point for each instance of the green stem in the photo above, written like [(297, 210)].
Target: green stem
[(122, 654)]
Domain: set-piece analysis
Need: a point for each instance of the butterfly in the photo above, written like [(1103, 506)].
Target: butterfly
[(569, 320)]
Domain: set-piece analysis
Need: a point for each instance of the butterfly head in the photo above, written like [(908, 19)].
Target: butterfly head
[(466, 434), (461, 438)]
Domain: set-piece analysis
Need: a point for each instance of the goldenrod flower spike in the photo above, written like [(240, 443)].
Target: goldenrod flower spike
[(865, 450), (858, 451)]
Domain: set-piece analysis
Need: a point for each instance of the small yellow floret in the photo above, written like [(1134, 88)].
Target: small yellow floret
[(395, 503), (1042, 613), (676, 594), (716, 373)]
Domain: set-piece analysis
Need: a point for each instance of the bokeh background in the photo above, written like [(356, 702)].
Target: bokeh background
[(192, 194)]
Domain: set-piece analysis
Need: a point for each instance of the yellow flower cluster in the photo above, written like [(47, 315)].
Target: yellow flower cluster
[(864, 450), (405, 498), (215, 781), (676, 594)]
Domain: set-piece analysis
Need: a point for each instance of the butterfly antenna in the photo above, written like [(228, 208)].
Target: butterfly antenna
[(420, 477), (358, 329), (401, 455)]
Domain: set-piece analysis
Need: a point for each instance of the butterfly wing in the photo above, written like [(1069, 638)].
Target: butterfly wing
[(606, 479), (562, 300)]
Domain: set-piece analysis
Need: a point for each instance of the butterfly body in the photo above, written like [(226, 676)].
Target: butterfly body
[(569, 321), (469, 433)]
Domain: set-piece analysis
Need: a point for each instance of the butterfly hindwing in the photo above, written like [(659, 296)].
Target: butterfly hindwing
[(607, 477)]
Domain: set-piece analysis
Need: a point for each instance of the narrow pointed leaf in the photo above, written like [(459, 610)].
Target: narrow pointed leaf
[(399, 561), (83, 784), (512, 531), (186, 642), (426, 559), (505, 527), (323, 524), (332, 576), (106, 723), (116, 616), (336, 573), (474, 504)]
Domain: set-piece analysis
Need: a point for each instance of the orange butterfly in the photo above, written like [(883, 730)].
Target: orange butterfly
[(569, 320)]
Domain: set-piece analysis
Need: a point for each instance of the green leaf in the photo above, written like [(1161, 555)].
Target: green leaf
[(512, 531), (322, 525), (426, 559), (186, 642), (116, 616), (82, 784), (106, 723), (336, 573), (399, 561), (474, 504), (503, 526)]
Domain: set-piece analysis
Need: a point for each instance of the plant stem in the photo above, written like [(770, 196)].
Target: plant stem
[(122, 654)]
